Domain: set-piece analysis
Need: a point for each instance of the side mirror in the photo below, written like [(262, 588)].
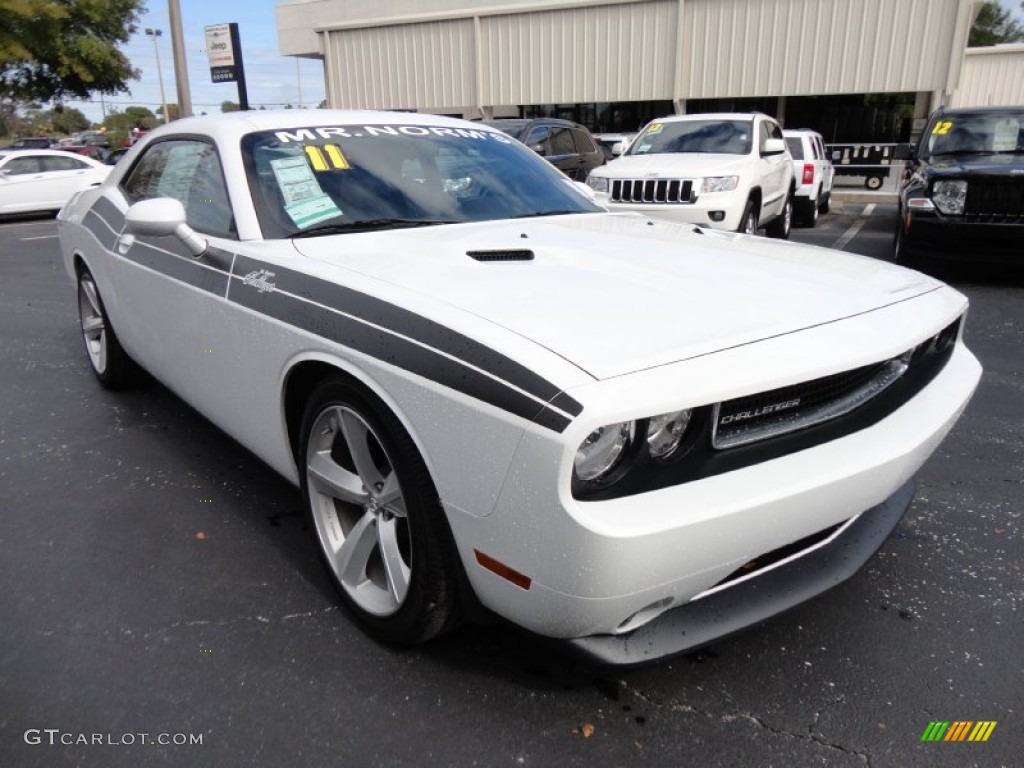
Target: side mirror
[(773, 147), (538, 148), (163, 217)]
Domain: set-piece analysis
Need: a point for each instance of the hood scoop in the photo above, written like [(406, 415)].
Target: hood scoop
[(502, 255)]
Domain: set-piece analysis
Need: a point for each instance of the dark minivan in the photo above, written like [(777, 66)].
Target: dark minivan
[(566, 145), (963, 192)]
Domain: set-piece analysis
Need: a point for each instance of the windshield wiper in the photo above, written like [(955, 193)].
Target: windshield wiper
[(964, 152), (535, 214), (368, 225)]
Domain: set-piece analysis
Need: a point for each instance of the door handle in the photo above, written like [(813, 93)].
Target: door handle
[(125, 243)]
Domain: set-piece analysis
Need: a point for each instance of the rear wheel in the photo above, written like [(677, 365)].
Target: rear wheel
[(874, 182), (781, 226), (110, 363), (377, 516), (825, 204), (809, 214)]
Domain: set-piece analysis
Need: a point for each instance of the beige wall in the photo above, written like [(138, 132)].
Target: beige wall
[(991, 77), (445, 55)]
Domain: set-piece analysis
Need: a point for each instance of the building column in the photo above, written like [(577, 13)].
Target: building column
[(680, 106)]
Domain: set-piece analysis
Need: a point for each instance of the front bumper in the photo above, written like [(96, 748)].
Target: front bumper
[(751, 602), (932, 236), (731, 204)]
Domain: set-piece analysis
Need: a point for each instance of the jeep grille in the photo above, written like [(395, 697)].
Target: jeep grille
[(652, 191)]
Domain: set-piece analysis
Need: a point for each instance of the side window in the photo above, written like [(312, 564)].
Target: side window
[(816, 147), (584, 144), (537, 140), (561, 142), (774, 131), (189, 171), (62, 163), (19, 166)]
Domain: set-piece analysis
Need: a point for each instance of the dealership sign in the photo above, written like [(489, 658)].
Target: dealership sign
[(221, 44)]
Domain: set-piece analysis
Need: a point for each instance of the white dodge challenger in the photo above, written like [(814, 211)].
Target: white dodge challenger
[(630, 435)]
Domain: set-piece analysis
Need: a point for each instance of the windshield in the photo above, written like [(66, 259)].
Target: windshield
[(325, 180), (988, 133), (725, 137)]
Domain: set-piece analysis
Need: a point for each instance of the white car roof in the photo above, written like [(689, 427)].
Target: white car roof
[(233, 125), (50, 153), (711, 116)]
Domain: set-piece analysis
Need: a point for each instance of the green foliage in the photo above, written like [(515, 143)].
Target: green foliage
[(994, 25), (229, 106), (68, 120), (53, 49), (132, 117), (172, 112)]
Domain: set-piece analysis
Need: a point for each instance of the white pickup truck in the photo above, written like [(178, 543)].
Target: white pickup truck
[(728, 171)]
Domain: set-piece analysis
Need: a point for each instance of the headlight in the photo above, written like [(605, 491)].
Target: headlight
[(720, 183), (665, 432), (597, 183), (949, 196), (602, 451)]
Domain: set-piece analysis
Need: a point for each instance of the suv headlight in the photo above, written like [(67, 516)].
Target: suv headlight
[(597, 183), (950, 196), (720, 183)]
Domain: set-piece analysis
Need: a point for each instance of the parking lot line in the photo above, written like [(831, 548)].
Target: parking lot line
[(848, 235)]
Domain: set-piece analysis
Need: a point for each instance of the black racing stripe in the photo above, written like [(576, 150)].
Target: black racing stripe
[(409, 324), (110, 212), (185, 269), (95, 224), (397, 351)]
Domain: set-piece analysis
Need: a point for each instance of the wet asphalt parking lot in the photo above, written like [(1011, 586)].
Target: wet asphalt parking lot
[(157, 579)]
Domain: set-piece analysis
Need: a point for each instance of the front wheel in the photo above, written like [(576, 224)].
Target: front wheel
[(780, 227), (748, 223), (901, 255), (110, 363), (377, 516)]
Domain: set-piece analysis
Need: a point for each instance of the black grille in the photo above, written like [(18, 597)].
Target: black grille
[(995, 201), (752, 413), (652, 191)]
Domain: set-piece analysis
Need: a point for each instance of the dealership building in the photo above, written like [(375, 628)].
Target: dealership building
[(855, 70)]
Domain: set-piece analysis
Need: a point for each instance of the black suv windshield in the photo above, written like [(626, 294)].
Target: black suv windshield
[(981, 133), (726, 137), (354, 178)]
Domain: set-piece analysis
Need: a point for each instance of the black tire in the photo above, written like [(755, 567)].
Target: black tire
[(826, 203), (400, 579), (111, 365), (900, 254), (809, 212), (748, 222), (783, 223)]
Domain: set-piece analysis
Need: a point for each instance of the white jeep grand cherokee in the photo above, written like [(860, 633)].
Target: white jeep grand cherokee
[(728, 171)]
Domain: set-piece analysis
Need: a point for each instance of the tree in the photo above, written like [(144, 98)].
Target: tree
[(52, 49), (172, 112), (229, 106), (994, 25), (68, 120)]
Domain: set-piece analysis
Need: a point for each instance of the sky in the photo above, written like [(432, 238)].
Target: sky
[(271, 78)]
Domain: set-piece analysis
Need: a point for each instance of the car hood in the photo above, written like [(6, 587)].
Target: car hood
[(617, 293), (669, 164)]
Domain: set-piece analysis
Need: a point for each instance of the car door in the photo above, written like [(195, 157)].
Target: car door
[(26, 184), (773, 171), (562, 152), (66, 175), (171, 304)]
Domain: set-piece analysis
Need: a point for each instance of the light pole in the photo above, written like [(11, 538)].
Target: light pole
[(154, 35)]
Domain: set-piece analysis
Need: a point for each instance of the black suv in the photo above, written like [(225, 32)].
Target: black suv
[(566, 145), (963, 191)]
